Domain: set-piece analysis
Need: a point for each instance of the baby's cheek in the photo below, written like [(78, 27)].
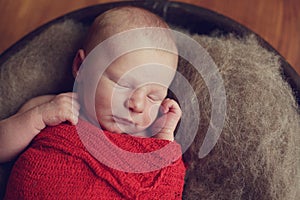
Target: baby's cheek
[(153, 112)]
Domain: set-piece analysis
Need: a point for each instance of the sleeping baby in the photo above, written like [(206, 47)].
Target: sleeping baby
[(122, 146)]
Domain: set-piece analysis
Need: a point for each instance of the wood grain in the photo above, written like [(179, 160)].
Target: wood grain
[(276, 21)]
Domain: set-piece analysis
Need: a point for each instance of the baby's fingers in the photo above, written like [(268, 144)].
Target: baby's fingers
[(171, 106), (63, 107), (68, 100), (75, 105), (69, 94), (73, 117), (70, 115), (71, 112)]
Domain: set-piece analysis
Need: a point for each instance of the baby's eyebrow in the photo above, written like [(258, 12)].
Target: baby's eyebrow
[(158, 87), (111, 74)]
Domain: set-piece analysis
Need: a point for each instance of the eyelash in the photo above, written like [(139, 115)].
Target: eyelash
[(118, 85), (151, 97), (154, 98)]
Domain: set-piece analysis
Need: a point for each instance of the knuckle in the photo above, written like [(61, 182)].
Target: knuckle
[(61, 112), (180, 113), (61, 98)]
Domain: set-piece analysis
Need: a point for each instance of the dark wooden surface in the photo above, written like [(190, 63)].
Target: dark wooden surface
[(277, 21)]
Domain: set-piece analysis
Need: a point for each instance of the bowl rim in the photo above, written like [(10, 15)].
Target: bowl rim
[(162, 8)]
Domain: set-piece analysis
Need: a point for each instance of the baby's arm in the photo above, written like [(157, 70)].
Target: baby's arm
[(17, 131), (164, 126), (36, 101)]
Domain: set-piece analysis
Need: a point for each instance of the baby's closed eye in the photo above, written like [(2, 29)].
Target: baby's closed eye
[(155, 97), (123, 85)]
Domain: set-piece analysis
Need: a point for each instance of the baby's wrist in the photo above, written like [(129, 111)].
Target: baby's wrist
[(37, 119), (166, 134)]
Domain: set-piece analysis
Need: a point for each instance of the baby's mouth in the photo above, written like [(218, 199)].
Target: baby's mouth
[(123, 121)]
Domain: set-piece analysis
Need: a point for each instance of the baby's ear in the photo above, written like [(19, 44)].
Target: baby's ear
[(78, 59)]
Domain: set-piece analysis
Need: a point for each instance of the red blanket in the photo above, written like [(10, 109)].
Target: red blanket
[(58, 165)]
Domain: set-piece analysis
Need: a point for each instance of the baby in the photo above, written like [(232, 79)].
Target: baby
[(130, 97)]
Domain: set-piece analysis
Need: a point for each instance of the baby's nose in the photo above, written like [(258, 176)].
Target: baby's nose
[(136, 102)]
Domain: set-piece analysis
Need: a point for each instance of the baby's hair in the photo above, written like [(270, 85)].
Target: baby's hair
[(125, 18)]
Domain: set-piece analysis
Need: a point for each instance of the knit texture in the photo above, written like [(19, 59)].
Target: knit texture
[(58, 166)]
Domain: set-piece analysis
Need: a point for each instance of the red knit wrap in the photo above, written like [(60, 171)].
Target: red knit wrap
[(58, 166)]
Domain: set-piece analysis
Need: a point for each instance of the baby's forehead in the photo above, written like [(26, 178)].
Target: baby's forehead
[(145, 60), (144, 67)]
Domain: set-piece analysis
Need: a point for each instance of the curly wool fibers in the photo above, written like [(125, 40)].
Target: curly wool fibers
[(257, 154)]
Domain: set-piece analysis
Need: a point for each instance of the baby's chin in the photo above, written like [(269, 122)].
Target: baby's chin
[(133, 131)]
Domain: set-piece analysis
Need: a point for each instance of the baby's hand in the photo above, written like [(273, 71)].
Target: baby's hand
[(63, 107), (164, 126)]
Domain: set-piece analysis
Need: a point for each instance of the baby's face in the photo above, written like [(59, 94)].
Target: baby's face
[(130, 91)]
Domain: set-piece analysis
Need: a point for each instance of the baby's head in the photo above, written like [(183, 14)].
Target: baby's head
[(132, 88), (122, 19)]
